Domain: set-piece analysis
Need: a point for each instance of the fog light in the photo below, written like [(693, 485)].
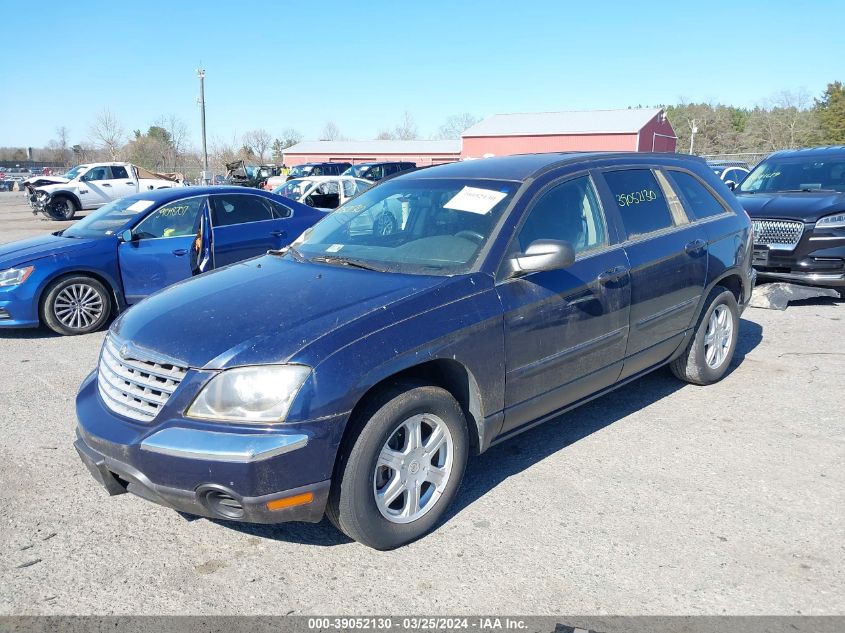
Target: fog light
[(220, 502), (289, 502)]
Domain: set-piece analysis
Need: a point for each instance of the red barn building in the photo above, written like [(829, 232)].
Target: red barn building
[(631, 130)]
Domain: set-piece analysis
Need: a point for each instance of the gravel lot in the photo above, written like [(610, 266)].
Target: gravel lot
[(660, 498)]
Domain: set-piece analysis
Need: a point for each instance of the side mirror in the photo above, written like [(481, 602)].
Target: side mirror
[(128, 236), (730, 184), (544, 255)]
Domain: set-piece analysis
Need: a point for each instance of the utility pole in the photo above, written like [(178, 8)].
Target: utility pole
[(693, 128), (206, 175)]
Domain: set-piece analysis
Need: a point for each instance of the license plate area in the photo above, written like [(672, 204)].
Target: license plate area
[(760, 256)]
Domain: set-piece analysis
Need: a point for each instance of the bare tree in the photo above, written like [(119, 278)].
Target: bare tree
[(385, 135), (289, 138), (258, 141), (58, 146), (456, 124), (108, 133), (177, 132), (330, 132), (406, 130)]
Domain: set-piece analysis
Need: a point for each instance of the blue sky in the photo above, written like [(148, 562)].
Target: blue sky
[(362, 64)]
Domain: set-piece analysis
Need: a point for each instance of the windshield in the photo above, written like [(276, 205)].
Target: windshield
[(73, 173), (109, 219), (358, 171), (300, 170), (294, 189), (423, 226), (796, 174)]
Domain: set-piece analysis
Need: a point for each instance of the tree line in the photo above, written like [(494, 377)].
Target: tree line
[(786, 121)]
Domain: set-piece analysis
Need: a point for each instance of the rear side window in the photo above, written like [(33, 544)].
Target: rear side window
[(239, 209), (640, 200), (699, 200), (119, 172), (279, 210)]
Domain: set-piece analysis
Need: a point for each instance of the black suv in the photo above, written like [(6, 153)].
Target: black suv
[(354, 372), (378, 171), (317, 169), (796, 200)]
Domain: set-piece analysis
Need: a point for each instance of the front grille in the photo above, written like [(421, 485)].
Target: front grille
[(134, 387), (782, 234)]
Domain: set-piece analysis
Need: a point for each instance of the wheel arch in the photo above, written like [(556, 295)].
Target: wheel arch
[(449, 374), (64, 193)]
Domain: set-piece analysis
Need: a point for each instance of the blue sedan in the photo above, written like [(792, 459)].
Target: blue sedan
[(73, 280)]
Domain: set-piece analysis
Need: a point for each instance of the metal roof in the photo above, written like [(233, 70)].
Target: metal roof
[(577, 122), (376, 147)]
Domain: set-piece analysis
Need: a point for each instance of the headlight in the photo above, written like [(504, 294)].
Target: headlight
[(835, 221), (259, 394), (15, 276)]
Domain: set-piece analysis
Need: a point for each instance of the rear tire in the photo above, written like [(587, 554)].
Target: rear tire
[(392, 484), (709, 353), (75, 305)]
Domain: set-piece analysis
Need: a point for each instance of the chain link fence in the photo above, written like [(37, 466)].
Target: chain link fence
[(749, 158)]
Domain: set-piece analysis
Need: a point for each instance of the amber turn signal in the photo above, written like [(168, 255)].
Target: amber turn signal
[(289, 502)]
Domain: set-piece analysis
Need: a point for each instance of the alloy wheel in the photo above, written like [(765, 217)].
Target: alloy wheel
[(718, 338), (413, 468), (78, 306)]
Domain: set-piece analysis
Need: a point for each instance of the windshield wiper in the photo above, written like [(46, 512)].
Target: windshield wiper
[(807, 189), (345, 261)]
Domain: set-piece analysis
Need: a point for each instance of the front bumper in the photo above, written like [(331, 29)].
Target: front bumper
[(213, 470), (817, 260), (118, 477)]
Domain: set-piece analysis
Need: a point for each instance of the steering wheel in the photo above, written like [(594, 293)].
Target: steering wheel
[(472, 236)]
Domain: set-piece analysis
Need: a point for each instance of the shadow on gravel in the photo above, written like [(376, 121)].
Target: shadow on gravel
[(322, 533), (40, 332), (487, 471), (24, 333)]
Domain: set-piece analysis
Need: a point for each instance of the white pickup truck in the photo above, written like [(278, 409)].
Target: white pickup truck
[(91, 186)]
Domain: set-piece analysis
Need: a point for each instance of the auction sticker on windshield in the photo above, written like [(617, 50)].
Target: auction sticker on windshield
[(475, 200)]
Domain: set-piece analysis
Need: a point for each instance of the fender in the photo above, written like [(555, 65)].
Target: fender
[(112, 284)]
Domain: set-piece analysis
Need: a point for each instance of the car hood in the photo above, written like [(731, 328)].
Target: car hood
[(806, 206), (264, 310), (59, 186), (54, 180), (16, 253)]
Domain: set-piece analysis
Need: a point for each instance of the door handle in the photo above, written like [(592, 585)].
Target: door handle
[(180, 251), (696, 246), (105, 184), (279, 233), (613, 274)]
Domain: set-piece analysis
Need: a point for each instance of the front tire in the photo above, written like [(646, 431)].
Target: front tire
[(401, 467), (709, 353), (63, 209), (76, 305)]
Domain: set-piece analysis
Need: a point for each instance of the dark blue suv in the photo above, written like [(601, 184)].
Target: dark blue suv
[(355, 371)]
